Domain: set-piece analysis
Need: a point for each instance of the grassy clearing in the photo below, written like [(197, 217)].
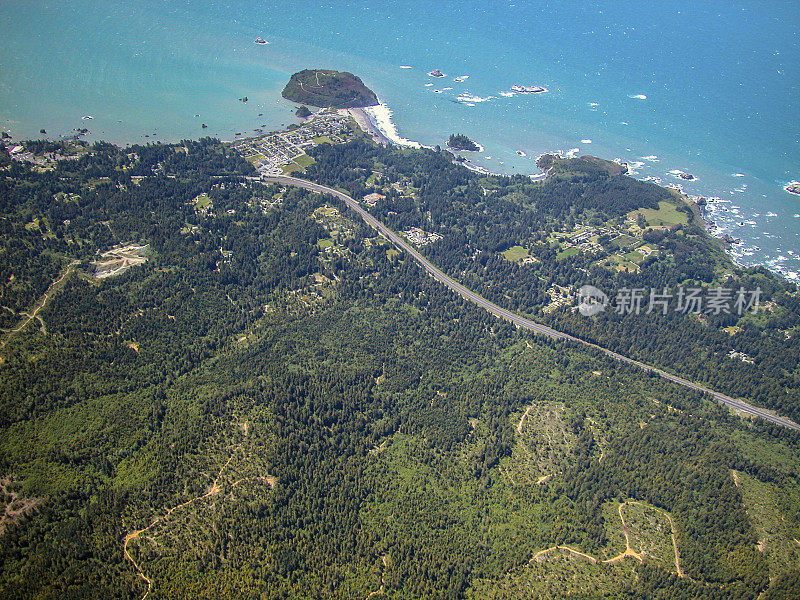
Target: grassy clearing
[(625, 242), (516, 253), (291, 168), (298, 164), (667, 215), (544, 443), (203, 202), (371, 179), (255, 159), (568, 252), (326, 211), (620, 263), (639, 253), (650, 533), (304, 160)]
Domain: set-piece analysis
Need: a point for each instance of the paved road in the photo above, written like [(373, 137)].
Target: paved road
[(734, 403)]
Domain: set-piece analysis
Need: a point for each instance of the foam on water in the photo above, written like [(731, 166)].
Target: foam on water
[(381, 117), (467, 97)]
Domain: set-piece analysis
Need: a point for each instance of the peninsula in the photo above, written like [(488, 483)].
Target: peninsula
[(325, 88)]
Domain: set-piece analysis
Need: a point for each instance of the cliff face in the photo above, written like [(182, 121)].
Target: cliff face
[(324, 88)]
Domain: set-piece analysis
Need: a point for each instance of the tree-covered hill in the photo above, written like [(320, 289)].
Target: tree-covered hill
[(523, 244), (325, 88), (277, 404)]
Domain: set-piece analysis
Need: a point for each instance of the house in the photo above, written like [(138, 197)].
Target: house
[(372, 199)]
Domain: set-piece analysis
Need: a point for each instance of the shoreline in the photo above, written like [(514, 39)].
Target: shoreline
[(377, 122), (362, 119)]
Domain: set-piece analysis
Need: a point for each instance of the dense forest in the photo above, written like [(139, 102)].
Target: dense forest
[(483, 220), (277, 404)]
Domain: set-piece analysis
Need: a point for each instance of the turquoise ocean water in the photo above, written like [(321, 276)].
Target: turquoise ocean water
[(710, 88)]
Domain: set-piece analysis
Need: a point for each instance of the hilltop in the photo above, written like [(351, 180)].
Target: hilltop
[(324, 88)]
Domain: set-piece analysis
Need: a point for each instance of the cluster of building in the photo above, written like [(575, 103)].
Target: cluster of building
[(271, 152), (559, 296), (741, 356), (19, 153), (585, 239), (419, 237)]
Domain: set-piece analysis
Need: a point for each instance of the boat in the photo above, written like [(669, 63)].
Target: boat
[(260, 40), (436, 73), (87, 117)]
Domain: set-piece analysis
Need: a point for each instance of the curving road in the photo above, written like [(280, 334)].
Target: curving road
[(734, 403)]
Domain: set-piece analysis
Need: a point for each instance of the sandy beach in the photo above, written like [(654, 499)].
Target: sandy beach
[(360, 117)]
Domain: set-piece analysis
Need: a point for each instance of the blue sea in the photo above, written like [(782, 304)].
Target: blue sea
[(710, 88)]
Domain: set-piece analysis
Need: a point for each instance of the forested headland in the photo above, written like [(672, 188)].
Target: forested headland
[(325, 88)]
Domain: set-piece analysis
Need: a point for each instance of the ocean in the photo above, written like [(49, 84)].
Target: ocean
[(708, 88)]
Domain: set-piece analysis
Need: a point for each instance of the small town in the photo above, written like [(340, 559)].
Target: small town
[(283, 152)]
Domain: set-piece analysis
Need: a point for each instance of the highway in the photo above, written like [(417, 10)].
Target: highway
[(399, 242)]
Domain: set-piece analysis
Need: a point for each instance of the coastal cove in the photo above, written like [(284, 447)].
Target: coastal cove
[(658, 113)]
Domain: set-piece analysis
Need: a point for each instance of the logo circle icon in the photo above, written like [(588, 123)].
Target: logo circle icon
[(591, 300)]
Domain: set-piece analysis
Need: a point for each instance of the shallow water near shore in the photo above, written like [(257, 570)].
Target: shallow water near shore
[(682, 86)]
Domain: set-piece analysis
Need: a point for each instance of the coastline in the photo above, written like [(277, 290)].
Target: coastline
[(377, 122), (380, 118), (361, 117), (758, 244)]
